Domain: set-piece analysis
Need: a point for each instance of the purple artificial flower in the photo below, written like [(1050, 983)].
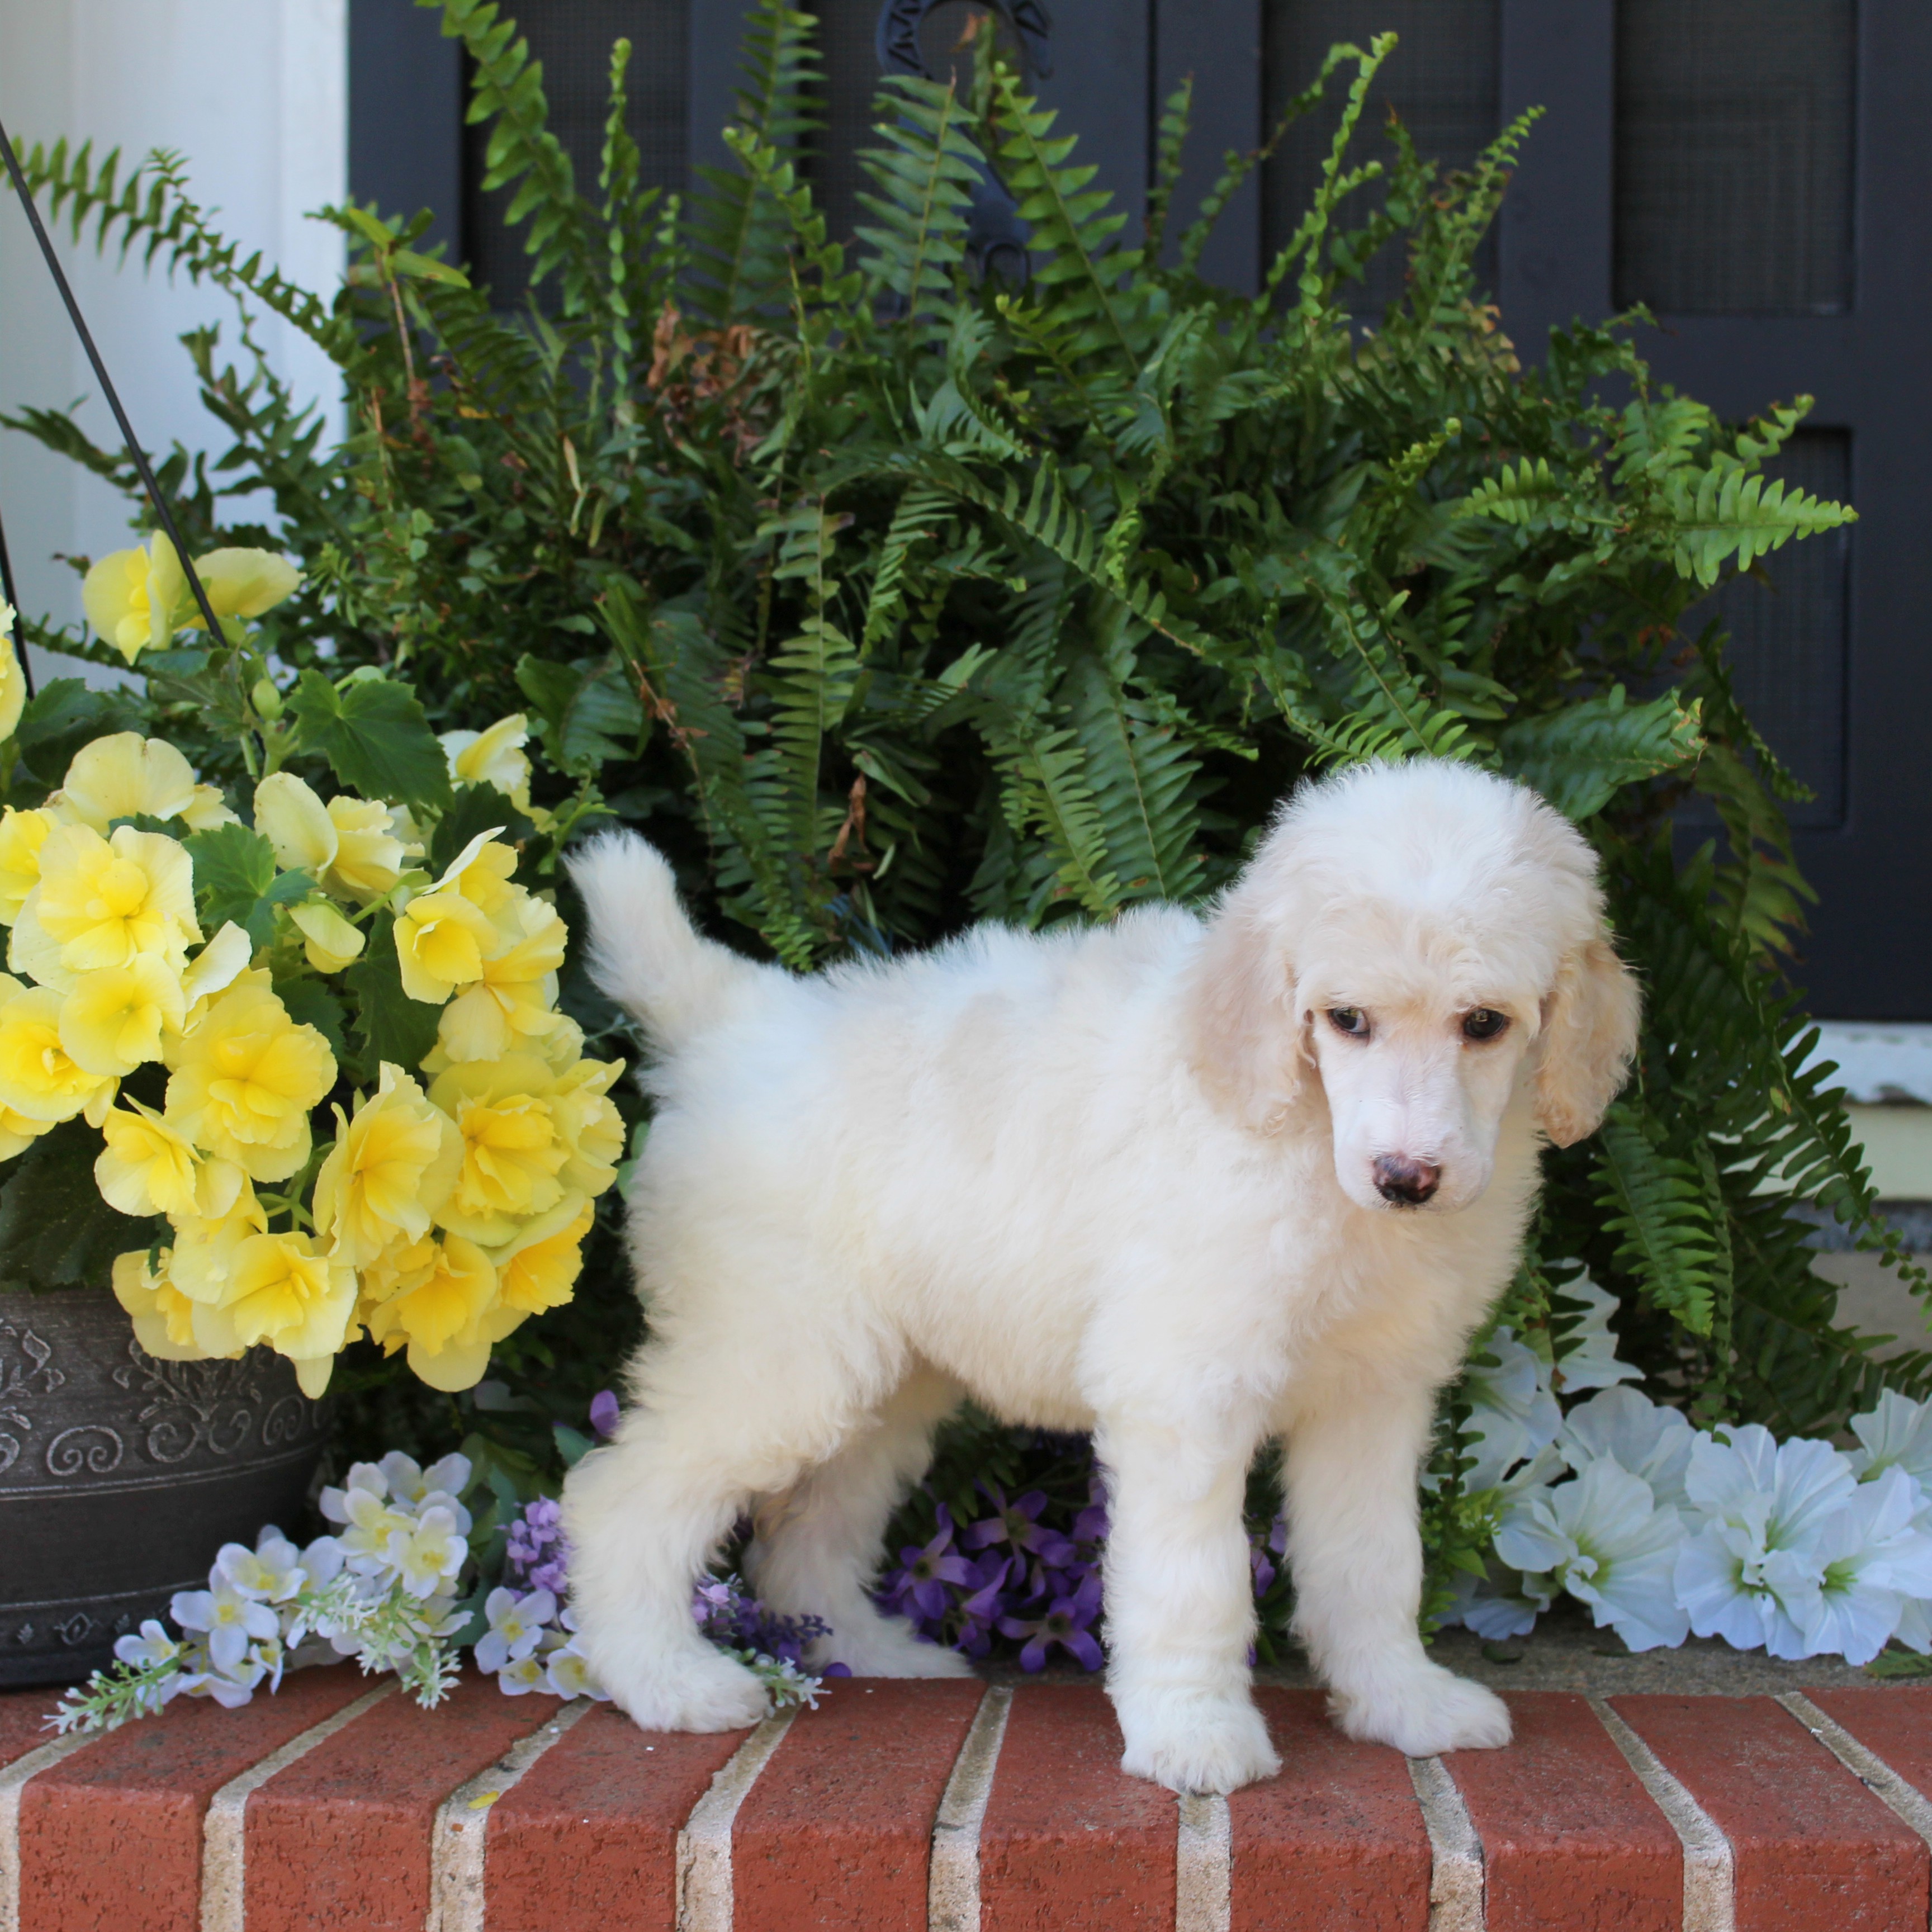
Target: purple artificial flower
[(727, 1615), (1067, 1622), (1090, 1525), (1017, 1523), (980, 1613), (924, 1573), (1263, 1570), (535, 1556), (603, 1414)]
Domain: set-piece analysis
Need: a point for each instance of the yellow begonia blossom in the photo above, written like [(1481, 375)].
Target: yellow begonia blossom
[(512, 1152), (295, 823), (511, 1001), (38, 1078), (163, 1316), (243, 583), (205, 1245), (17, 1133), (539, 1269), (483, 877), (245, 1079), (392, 1166), (493, 757), (104, 902), (287, 1291), (113, 1020), (22, 836), (437, 1297), (123, 776), (217, 966), (146, 1167), (589, 1124), (330, 942), (133, 598), (441, 938), (13, 679), (349, 846)]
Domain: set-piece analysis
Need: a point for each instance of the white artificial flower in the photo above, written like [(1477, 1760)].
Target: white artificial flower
[(1499, 1606), (1914, 1625), (567, 1672), (322, 1560), (1587, 1355), (446, 1478), (525, 1675), (1751, 1573), (367, 1477), (373, 1525), (231, 1620), (1646, 1438), (1875, 1561), (271, 1573), (517, 1626), (428, 1552), (1606, 1539), (1512, 1413), (1898, 1433), (152, 1646)]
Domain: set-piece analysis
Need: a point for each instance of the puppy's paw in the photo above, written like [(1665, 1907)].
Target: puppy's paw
[(885, 1649), (1198, 1744), (693, 1691), (1423, 1712)]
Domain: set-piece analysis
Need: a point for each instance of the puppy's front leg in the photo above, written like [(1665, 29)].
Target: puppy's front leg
[(1356, 1553), (1180, 1610)]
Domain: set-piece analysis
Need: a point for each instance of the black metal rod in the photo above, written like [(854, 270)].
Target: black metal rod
[(9, 595), (215, 633)]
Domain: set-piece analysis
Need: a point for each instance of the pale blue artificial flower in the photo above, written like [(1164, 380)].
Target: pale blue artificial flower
[(516, 1627), (1605, 1539), (1587, 1356), (1876, 1560), (1646, 1438), (1897, 1433), (1512, 1413), (232, 1621)]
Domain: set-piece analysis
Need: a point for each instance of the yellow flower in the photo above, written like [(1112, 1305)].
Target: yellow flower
[(588, 1124), (493, 757), (511, 1002), (440, 1298), (511, 1151), (146, 1167), (244, 582), (103, 902), (113, 1020), (131, 597), (38, 1078), (482, 873), (13, 679), (22, 836), (245, 1080), (283, 1290), (441, 938), (295, 823), (120, 777), (205, 1245), (215, 968), (349, 846), (539, 1269), (331, 942), (163, 1316), (392, 1166)]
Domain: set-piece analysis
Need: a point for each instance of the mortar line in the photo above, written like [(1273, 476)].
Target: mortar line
[(1710, 1872), (13, 1781), (1204, 1864), (704, 1844), (460, 1839), (953, 1880), (1905, 1799), (1456, 1901), (224, 1827)]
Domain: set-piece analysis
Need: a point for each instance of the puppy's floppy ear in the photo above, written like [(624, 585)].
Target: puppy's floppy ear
[(1589, 1036), (1244, 1034)]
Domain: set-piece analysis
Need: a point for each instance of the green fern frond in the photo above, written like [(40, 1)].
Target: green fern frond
[(1657, 1205), (1580, 758), (926, 175), (1719, 515)]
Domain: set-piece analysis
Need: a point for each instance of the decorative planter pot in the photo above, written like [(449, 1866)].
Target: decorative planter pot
[(122, 1476)]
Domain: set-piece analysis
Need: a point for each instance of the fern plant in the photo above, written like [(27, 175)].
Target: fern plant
[(886, 594)]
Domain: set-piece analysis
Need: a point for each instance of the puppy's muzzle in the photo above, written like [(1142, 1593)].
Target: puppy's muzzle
[(1403, 1182)]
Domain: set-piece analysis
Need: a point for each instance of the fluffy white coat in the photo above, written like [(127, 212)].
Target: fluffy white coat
[(1154, 1180)]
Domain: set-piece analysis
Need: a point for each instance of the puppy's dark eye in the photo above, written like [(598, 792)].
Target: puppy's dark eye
[(1350, 1020), (1485, 1023)]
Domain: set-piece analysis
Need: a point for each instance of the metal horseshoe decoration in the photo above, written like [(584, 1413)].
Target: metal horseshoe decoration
[(996, 237)]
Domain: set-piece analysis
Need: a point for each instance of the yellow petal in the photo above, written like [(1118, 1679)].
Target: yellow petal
[(218, 964), (332, 942), (22, 836), (492, 757), (163, 1317), (146, 1167), (122, 776), (295, 823), (38, 1079), (113, 1019), (115, 595), (246, 582), (13, 680)]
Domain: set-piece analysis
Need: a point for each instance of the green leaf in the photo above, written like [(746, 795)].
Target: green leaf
[(374, 734), (55, 1231), (589, 718), (61, 717), (235, 878), (311, 1003), (1580, 758), (572, 1444), (391, 1025)]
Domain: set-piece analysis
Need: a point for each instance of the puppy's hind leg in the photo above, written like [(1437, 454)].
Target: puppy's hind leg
[(818, 1545)]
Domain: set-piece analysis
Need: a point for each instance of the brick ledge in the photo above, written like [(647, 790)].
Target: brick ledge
[(957, 1806)]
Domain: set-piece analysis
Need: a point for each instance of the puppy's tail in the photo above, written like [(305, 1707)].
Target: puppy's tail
[(644, 951)]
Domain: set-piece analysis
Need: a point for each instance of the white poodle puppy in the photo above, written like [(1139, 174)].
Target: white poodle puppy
[(1188, 1183)]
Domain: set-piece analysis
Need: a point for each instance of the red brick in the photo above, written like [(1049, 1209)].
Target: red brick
[(1336, 1842), (1070, 1843), (838, 1830), (1894, 1725), (110, 1838), (23, 1720), (341, 1838), (1570, 1837), (588, 1836), (1814, 1850)]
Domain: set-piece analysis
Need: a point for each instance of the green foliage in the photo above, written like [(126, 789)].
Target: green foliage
[(884, 596), (235, 878), (55, 1231)]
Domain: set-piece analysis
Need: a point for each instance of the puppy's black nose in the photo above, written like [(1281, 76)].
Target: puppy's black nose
[(1405, 1182)]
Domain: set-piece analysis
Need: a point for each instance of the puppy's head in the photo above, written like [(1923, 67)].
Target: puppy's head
[(1428, 941)]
